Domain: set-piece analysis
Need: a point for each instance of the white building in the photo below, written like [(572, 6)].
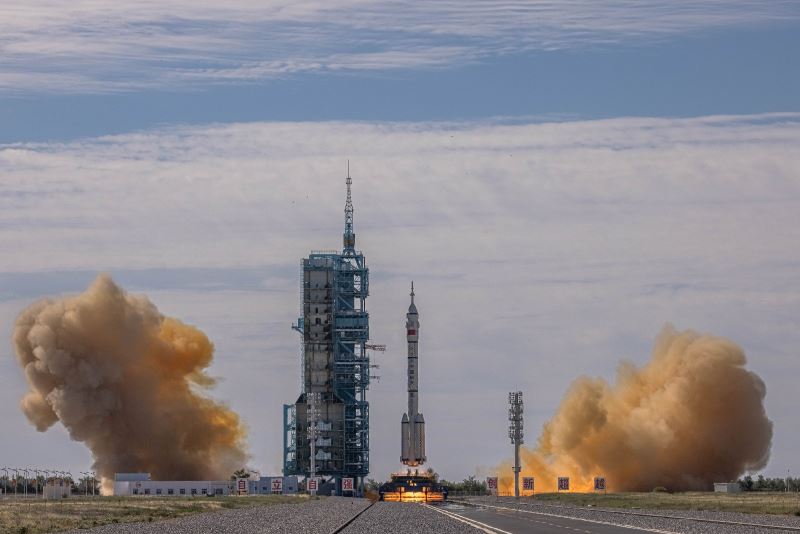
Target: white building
[(140, 484), (56, 489), (727, 487), (269, 485)]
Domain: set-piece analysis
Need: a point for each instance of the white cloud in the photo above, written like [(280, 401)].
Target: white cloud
[(90, 45), (539, 250)]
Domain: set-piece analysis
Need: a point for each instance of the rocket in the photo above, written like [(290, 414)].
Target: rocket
[(412, 425)]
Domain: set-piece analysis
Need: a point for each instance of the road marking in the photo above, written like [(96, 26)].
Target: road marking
[(684, 518), (489, 529), (531, 520), (574, 518)]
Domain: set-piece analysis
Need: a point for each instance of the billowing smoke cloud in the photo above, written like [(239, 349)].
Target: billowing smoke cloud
[(691, 417), (128, 382)]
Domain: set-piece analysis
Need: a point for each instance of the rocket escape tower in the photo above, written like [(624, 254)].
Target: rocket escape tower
[(335, 364)]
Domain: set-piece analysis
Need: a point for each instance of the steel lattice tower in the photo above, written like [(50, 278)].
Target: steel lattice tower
[(335, 364), (515, 432)]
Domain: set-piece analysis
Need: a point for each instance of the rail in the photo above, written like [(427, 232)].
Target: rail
[(356, 516)]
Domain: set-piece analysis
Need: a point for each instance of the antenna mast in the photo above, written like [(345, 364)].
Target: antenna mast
[(349, 233)]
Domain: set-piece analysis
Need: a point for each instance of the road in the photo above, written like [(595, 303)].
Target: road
[(496, 521)]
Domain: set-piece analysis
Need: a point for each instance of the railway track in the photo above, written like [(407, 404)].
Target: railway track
[(355, 516)]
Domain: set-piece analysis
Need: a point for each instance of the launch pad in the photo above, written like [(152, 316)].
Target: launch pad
[(412, 487)]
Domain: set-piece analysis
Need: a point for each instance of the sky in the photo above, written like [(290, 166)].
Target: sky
[(559, 178)]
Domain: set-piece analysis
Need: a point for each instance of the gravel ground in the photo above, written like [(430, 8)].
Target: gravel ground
[(313, 517), (405, 518), (672, 524)]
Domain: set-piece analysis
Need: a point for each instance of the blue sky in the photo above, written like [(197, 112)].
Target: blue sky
[(559, 178), (720, 58)]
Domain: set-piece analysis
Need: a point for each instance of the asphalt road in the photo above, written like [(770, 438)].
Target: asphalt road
[(514, 522)]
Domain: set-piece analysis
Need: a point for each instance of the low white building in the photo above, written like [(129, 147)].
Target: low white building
[(139, 484), (56, 489), (270, 485)]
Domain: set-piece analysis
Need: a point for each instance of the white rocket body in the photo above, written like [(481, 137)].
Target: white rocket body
[(413, 423)]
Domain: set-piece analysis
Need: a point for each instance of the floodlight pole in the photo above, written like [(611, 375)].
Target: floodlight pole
[(515, 432)]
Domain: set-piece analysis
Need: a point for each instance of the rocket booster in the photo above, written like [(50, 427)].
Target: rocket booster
[(413, 423)]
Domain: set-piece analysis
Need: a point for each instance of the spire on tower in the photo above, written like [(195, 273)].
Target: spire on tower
[(413, 307), (349, 237)]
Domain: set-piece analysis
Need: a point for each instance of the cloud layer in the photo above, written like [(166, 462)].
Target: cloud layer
[(539, 249), (91, 46)]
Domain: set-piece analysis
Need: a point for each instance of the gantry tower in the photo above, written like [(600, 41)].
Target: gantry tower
[(335, 364)]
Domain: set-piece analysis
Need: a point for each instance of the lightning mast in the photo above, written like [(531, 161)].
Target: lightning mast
[(349, 237)]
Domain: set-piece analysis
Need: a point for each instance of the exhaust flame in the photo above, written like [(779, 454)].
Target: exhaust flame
[(690, 417), (126, 381)]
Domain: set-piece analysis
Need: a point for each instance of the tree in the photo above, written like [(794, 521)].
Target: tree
[(468, 485), (372, 485), (433, 474), (241, 473), (746, 483)]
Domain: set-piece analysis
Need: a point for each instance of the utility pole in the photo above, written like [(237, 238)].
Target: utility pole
[(515, 432), (313, 402)]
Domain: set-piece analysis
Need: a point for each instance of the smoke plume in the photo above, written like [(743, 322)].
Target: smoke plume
[(126, 381), (690, 417)]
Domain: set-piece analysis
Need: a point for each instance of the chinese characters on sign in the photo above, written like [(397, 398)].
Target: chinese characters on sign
[(277, 485), (600, 483), (312, 484), (527, 483), (347, 484), (491, 484), (563, 483)]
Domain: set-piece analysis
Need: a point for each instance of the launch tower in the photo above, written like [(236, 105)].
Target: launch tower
[(335, 364)]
